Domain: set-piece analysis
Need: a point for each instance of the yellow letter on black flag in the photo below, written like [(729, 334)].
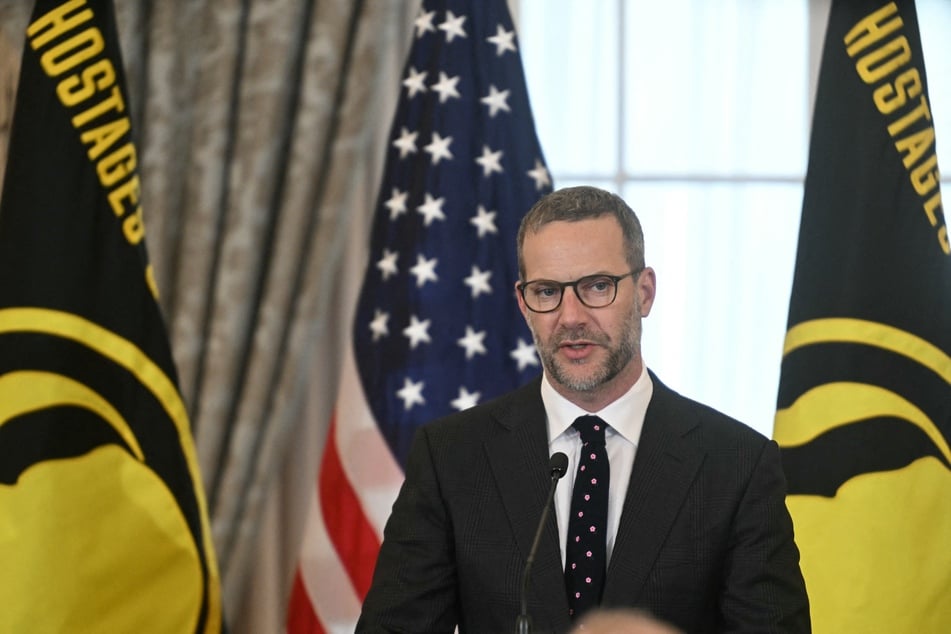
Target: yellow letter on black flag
[(103, 524), (864, 407)]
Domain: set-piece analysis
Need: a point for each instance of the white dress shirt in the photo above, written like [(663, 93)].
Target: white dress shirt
[(625, 418)]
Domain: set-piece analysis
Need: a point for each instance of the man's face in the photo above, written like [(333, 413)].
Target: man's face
[(591, 355)]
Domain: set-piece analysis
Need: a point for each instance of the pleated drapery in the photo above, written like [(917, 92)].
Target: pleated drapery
[(260, 127)]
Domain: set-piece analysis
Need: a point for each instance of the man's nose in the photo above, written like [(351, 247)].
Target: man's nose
[(572, 309)]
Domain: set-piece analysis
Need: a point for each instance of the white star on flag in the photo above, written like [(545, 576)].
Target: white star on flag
[(496, 100), (431, 210), (424, 23), (453, 26), (524, 355), (479, 281), (539, 174), (417, 332), (439, 149), (415, 82), (466, 399), (378, 326), (490, 161), (396, 203), (406, 143), (503, 40), (473, 342), (387, 263), (446, 87), (411, 393), (424, 270), (484, 221)]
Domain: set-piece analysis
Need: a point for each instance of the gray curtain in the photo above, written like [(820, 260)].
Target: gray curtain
[(260, 127)]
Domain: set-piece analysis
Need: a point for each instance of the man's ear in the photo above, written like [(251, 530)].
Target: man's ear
[(647, 289), (521, 301)]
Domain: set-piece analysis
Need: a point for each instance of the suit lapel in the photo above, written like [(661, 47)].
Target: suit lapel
[(519, 462), (668, 458)]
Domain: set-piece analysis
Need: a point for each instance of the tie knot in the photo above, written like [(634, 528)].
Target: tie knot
[(591, 429)]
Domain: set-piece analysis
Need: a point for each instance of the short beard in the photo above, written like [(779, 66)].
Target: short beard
[(618, 357)]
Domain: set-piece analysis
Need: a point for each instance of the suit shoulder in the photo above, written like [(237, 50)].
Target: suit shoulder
[(716, 427), (482, 418), (729, 427)]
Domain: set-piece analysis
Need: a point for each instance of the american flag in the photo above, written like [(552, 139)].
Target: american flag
[(437, 326)]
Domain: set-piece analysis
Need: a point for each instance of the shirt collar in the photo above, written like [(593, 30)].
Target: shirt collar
[(625, 415)]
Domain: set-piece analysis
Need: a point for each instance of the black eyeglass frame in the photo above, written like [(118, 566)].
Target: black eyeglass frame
[(574, 287)]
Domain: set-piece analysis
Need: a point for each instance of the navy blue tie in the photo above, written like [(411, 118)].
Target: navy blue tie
[(585, 552)]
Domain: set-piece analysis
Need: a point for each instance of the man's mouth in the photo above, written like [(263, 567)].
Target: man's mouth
[(576, 350)]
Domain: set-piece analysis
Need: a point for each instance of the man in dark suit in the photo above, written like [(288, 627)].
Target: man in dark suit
[(693, 527)]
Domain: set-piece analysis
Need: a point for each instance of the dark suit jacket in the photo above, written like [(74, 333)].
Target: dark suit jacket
[(705, 540)]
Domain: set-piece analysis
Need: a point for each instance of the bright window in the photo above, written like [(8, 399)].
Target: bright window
[(697, 113)]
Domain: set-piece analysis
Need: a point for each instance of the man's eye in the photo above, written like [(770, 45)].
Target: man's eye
[(599, 285)]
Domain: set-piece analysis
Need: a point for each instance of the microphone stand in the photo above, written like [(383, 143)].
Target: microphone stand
[(558, 465)]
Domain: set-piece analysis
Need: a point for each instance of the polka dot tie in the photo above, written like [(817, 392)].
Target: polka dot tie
[(585, 554)]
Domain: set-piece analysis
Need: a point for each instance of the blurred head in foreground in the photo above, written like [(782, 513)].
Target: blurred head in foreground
[(621, 621)]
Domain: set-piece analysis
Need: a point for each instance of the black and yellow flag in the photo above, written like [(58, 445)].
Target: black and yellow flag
[(864, 408), (103, 523)]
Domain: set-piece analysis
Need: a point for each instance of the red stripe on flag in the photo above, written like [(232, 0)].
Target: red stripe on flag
[(301, 618), (350, 531)]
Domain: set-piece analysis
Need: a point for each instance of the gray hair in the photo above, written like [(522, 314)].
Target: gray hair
[(584, 202)]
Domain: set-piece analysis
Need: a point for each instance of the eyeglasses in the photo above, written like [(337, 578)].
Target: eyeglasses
[(594, 291)]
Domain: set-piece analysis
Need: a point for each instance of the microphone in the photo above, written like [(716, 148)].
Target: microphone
[(558, 465)]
